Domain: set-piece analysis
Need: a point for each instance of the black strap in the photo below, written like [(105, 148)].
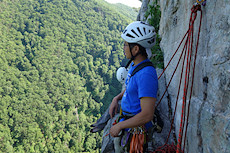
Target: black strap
[(141, 66)]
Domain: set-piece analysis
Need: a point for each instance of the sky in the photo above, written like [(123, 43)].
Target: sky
[(131, 3)]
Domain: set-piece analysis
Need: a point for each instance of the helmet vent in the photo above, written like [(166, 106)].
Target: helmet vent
[(128, 35), (134, 33), (151, 41), (144, 30), (139, 30)]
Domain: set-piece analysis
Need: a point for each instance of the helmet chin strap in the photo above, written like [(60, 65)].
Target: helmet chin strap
[(132, 58), (127, 65)]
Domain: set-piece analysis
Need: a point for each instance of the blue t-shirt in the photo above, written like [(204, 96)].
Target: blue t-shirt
[(143, 84)]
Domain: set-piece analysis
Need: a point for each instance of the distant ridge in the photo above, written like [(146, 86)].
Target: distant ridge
[(122, 9)]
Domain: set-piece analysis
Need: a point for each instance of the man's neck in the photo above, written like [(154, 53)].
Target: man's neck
[(139, 59)]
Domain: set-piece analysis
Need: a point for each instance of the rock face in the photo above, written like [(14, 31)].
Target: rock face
[(143, 9), (209, 120), (159, 139)]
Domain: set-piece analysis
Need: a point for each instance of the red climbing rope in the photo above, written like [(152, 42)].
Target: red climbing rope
[(187, 54)]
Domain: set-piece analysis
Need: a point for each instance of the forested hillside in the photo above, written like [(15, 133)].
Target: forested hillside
[(58, 60)]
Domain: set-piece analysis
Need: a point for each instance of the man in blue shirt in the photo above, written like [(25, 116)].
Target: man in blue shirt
[(139, 97)]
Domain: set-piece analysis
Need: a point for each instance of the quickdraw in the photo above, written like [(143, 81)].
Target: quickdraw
[(138, 140)]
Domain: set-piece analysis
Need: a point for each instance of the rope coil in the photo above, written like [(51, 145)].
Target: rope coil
[(186, 53)]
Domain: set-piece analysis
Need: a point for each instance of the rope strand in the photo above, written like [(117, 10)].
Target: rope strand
[(187, 53)]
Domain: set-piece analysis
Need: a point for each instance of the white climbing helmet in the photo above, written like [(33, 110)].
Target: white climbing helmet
[(141, 33), (122, 73), (149, 53)]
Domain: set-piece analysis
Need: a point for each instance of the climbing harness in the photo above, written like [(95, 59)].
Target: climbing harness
[(186, 55)]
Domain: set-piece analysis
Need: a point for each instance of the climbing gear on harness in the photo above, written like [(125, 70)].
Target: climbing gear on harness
[(187, 56), (141, 33), (138, 139), (117, 120), (138, 135)]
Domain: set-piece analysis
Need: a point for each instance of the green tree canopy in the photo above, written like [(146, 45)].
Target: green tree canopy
[(58, 60)]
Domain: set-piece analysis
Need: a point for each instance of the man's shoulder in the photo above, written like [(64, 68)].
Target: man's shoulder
[(148, 70), (145, 66)]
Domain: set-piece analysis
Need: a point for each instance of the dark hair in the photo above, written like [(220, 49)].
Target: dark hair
[(142, 50)]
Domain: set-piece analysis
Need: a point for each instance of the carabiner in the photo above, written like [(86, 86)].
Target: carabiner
[(200, 2)]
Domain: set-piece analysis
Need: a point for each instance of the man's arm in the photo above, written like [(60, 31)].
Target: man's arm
[(146, 115), (114, 105)]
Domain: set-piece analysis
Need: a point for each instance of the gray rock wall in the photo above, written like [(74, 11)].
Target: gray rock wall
[(209, 120)]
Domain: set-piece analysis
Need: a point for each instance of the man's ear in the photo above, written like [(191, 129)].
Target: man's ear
[(135, 49)]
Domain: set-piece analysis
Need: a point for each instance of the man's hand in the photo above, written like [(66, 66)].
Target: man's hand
[(113, 107), (115, 130)]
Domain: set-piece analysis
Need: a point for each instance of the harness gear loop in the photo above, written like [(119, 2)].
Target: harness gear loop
[(126, 138)]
